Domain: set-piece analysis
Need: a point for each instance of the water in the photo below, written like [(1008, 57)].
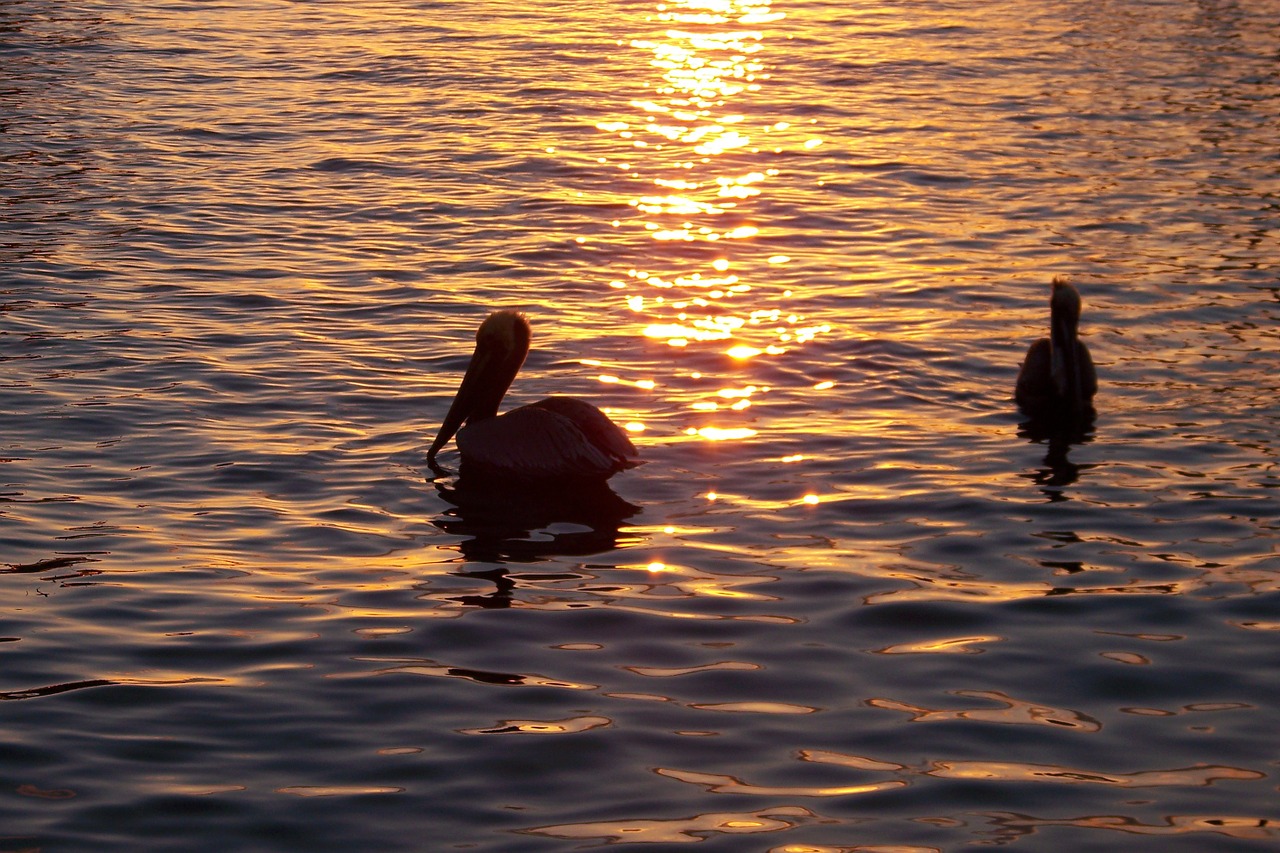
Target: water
[(849, 603)]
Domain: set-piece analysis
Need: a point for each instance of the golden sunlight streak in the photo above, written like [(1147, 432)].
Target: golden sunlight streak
[(721, 434), (700, 152)]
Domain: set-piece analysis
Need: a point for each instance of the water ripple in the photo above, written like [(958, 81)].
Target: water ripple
[(799, 250)]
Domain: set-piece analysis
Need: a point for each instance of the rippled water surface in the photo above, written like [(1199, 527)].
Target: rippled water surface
[(851, 603)]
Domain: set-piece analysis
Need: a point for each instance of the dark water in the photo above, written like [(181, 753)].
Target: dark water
[(850, 604)]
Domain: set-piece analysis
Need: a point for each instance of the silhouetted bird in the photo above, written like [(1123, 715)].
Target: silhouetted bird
[(552, 439), (1057, 377)]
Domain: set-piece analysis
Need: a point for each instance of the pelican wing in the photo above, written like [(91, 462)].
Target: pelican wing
[(595, 425), (537, 443), (1088, 374), (1035, 380)]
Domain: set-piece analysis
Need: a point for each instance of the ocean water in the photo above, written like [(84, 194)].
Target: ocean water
[(851, 602)]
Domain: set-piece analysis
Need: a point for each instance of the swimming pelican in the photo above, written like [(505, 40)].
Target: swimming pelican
[(555, 438), (1057, 376)]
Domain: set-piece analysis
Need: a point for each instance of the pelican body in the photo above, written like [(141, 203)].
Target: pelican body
[(552, 439), (1057, 376)]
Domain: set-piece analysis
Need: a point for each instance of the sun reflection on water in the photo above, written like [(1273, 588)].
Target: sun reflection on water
[(702, 155)]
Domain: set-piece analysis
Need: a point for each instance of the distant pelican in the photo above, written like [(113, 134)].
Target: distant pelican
[(1057, 376), (552, 439)]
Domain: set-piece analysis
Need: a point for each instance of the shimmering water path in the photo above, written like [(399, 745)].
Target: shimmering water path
[(851, 602)]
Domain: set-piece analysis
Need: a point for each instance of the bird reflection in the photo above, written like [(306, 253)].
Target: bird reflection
[(1055, 391), (553, 439), (1057, 381), (528, 524), (1059, 471)]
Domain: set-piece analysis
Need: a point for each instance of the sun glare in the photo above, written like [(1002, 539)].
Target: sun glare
[(700, 149)]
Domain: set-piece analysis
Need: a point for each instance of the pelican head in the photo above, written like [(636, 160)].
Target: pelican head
[(1057, 380), (1064, 323), (501, 346)]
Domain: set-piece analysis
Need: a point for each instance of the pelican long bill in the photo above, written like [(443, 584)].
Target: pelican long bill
[(555, 438)]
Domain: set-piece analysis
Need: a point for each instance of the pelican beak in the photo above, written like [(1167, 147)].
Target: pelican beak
[(463, 402), (497, 359)]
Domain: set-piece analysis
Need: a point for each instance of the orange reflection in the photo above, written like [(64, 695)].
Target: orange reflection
[(479, 676), (1127, 657), (718, 784), (1200, 775), (755, 707), (744, 502), (947, 645), (721, 434), (689, 830), (671, 672), (703, 152), (667, 580), (1232, 826), (950, 587), (542, 727), (1011, 710), (858, 762), (655, 587), (338, 790)]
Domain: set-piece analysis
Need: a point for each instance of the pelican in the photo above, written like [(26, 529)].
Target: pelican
[(1057, 376), (552, 439)]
